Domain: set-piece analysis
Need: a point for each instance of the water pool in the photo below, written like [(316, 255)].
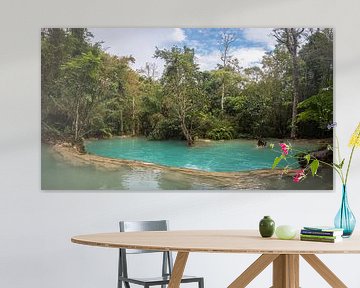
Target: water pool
[(213, 156), (59, 173)]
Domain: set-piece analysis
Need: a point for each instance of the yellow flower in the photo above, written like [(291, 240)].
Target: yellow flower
[(355, 138)]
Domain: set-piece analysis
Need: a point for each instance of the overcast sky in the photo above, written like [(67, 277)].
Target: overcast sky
[(250, 46)]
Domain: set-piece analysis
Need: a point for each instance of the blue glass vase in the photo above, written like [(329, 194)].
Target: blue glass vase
[(345, 219)]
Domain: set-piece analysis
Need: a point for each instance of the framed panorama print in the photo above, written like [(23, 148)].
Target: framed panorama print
[(186, 108)]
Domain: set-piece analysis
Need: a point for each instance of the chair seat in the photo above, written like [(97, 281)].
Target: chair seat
[(158, 280)]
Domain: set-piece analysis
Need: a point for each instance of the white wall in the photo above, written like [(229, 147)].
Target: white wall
[(36, 226)]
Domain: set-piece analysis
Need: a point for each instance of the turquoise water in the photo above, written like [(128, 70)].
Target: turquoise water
[(58, 174), (214, 156)]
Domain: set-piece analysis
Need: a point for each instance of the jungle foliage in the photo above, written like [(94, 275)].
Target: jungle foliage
[(86, 92)]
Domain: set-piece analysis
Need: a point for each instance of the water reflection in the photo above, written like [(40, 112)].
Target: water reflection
[(58, 174)]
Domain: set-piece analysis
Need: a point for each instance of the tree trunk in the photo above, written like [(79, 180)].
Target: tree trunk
[(133, 116), (121, 122), (222, 95), (227, 39), (77, 122), (187, 134), (296, 97)]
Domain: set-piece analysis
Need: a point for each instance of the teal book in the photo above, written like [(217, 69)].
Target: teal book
[(323, 228)]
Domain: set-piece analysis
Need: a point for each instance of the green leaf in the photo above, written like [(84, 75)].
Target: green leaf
[(276, 162), (307, 157), (271, 145), (314, 167), (342, 163), (339, 165)]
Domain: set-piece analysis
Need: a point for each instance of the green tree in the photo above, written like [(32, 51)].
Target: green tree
[(113, 79), (180, 81), (80, 85), (59, 46), (317, 56), (278, 86), (226, 41), (317, 109), (86, 92), (291, 37)]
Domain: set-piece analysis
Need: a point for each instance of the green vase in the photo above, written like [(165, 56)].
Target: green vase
[(267, 227)]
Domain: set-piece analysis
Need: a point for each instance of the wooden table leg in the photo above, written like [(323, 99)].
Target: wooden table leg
[(324, 271), (253, 270), (286, 271), (178, 269)]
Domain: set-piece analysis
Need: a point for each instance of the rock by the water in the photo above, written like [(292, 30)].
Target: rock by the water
[(323, 154)]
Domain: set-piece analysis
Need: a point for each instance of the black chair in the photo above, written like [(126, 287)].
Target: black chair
[(167, 265)]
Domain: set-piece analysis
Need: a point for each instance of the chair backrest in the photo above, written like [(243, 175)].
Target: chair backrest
[(135, 226)]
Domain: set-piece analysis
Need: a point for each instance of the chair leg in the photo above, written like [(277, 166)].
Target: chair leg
[(120, 270), (201, 283)]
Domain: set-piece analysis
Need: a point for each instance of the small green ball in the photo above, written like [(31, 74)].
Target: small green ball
[(285, 232)]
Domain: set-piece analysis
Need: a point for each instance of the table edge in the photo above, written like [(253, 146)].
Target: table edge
[(203, 250)]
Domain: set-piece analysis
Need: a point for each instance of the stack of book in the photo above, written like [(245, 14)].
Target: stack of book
[(321, 234)]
